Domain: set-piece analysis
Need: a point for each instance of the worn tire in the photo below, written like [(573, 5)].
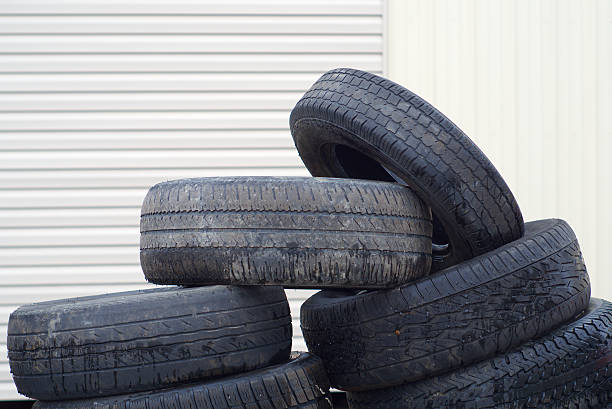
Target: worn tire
[(355, 124), (141, 340), (299, 384), (452, 318), (296, 232), (571, 368)]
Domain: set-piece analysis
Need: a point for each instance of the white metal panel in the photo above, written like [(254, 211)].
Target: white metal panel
[(144, 140), (5, 311), (5, 375), (193, 7), (101, 99), (252, 43), (147, 159), (51, 275), (67, 237), (236, 24), (147, 82), (70, 198), (151, 101), (141, 120), (80, 255), (127, 178), (529, 81), (141, 63)]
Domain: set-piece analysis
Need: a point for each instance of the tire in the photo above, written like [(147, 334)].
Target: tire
[(300, 384), (295, 232), (142, 340), (452, 318), (354, 124), (570, 368)]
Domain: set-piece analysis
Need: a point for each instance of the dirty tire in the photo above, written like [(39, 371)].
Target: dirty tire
[(452, 318), (300, 384), (570, 368), (355, 124), (142, 340), (290, 231)]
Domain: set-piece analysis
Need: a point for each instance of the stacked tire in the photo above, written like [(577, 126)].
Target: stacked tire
[(505, 318), (435, 294), (205, 347)]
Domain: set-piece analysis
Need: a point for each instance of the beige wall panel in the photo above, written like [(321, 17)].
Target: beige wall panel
[(529, 81)]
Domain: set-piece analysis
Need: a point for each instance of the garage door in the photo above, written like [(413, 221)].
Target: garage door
[(101, 99)]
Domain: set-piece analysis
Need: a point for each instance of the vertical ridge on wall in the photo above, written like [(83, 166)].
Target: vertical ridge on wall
[(604, 140), (101, 99), (529, 81)]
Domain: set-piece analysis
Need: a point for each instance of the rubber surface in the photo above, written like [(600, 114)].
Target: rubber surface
[(142, 340), (452, 318), (355, 124), (571, 368), (299, 384), (296, 232)]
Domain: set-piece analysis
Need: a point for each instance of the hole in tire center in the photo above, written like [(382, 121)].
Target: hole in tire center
[(440, 245), (359, 166)]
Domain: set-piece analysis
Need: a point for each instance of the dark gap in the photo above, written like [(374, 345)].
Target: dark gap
[(16, 404), (359, 166)]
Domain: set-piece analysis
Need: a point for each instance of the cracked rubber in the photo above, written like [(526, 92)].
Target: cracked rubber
[(571, 368), (355, 124), (290, 231), (454, 317), (142, 340), (298, 384)]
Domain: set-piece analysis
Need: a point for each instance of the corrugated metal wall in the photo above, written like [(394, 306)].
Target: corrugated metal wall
[(530, 82), (101, 99)]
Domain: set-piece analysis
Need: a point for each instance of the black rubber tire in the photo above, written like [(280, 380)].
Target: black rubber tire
[(300, 384), (355, 124), (290, 231), (452, 318), (141, 340), (571, 368)]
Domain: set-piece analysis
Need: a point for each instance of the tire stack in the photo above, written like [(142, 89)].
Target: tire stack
[(435, 294), (505, 318), (200, 347)]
